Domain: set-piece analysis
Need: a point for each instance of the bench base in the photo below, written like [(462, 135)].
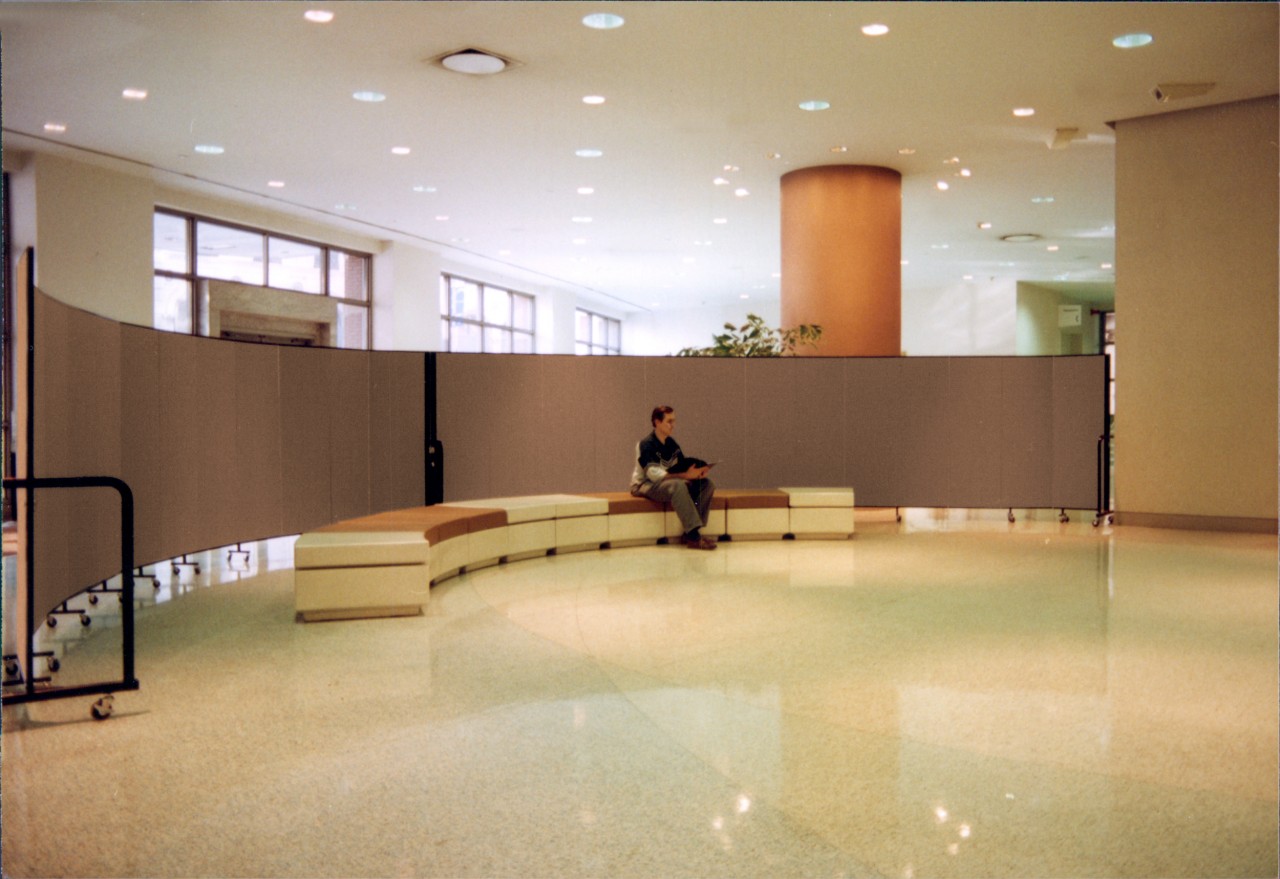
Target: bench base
[(358, 613)]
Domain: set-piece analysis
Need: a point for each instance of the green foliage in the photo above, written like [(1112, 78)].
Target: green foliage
[(754, 339)]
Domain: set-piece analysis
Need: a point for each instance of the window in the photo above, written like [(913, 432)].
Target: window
[(596, 334), (482, 318), (188, 249)]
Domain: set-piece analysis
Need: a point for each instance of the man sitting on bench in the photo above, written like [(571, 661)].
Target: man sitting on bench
[(663, 473)]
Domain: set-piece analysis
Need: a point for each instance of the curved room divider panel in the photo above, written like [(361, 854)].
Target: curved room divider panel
[(220, 441), (225, 441), (989, 432)]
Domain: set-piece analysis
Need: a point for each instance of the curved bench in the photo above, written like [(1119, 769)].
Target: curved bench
[(384, 564)]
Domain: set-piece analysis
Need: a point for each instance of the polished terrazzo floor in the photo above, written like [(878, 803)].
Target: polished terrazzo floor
[(953, 696)]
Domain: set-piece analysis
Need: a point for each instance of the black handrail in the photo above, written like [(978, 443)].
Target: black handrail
[(128, 679)]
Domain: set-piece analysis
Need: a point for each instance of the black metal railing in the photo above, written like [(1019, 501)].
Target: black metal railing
[(128, 680)]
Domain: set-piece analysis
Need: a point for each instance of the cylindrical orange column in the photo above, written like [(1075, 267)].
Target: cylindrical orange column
[(842, 257)]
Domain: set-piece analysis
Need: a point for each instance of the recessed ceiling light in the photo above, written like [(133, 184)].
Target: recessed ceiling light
[(369, 97), (1042, 199), (1020, 237), (421, 188), (55, 127), (401, 150), (603, 21), (442, 217), (773, 155), (344, 207), (720, 181), (967, 278), (276, 184), (1024, 111), (904, 262), (134, 94), (585, 190), (742, 192), (720, 221), (906, 151), (875, 30), (942, 185), (954, 160), (582, 219), (1052, 248), (965, 172), (319, 16), (1131, 41), (588, 153), (1105, 265), (984, 225), (209, 149), (732, 168), (594, 100), (839, 149), (815, 105)]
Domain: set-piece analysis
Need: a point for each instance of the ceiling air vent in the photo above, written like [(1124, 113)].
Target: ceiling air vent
[(474, 62)]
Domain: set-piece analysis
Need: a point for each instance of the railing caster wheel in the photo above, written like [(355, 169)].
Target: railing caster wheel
[(102, 709)]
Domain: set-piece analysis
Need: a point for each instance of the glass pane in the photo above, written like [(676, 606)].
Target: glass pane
[(522, 312), (293, 265), (464, 337), (464, 299), (581, 348), (348, 276), (497, 341), (598, 349), (615, 334), (582, 326), (444, 335), (170, 243), (497, 306), (444, 299), (353, 327), (172, 305), (229, 254), (522, 343)]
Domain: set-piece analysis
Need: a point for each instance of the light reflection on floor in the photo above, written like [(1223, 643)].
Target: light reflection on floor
[(954, 695)]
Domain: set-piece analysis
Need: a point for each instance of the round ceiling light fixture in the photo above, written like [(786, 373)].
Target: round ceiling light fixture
[(603, 21), (474, 62), (1020, 237)]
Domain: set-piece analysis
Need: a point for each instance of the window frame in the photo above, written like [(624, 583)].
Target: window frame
[(484, 325), (590, 343), (192, 278)]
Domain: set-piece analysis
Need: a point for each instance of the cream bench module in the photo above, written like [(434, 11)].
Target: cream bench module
[(542, 523), (820, 512), (352, 575)]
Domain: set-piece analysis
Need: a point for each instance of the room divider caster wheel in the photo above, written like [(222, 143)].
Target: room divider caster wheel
[(10, 668), (1011, 520), (85, 619), (51, 621), (102, 709), (93, 599), (175, 569), (53, 664), (1063, 518)]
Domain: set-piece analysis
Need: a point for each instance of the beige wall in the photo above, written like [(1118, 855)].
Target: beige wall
[(93, 238), (1196, 314)]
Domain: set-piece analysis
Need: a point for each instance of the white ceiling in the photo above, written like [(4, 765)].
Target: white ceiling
[(690, 88)]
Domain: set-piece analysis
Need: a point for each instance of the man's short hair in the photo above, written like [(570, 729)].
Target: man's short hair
[(659, 413)]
